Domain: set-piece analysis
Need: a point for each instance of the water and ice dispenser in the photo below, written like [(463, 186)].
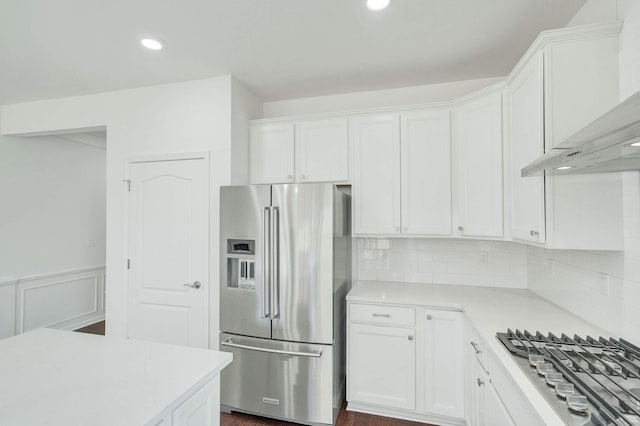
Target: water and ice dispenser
[(241, 264)]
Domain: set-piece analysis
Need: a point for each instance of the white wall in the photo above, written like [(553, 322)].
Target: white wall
[(193, 116), (602, 287), (52, 193), (376, 98), (442, 261)]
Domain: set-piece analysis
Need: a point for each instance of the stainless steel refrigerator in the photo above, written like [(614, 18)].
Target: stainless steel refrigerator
[(285, 271)]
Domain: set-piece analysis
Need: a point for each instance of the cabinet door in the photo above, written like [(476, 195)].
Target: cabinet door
[(527, 144), (200, 409), (496, 413), (444, 363), (426, 172), (382, 366), (376, 174), (271, 153), (478, 167), (322, 151), (477, 382)]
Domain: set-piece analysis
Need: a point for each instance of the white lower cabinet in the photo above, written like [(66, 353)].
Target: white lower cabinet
[(406, 362), (374, 346), (492, 400), (485, 407), (443, 360)]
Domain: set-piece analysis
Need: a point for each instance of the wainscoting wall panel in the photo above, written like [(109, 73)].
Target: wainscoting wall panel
[(7, 308), (67, 300)]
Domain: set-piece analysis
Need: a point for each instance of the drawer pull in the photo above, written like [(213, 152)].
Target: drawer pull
[(479, 382), (410, 337), (382, 315), (475, 347)]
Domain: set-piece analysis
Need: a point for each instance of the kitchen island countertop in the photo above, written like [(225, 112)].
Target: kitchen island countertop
[(55, 377), (490, 310)]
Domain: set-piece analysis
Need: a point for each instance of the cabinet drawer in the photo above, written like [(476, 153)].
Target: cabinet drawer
[(381, 314)]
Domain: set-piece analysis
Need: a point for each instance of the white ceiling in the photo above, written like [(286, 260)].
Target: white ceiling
[(281, 49)]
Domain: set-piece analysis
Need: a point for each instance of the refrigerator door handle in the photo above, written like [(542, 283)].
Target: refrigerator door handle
[(229, 343), (275, 263), (266, 263)]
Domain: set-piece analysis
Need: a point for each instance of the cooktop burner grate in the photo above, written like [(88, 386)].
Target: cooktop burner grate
[(597, 381)]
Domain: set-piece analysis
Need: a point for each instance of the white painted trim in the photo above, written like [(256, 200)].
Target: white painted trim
[(494, 88), (352, 113), (59, 274), (565, 34), (12, 281), (60, 131), (85, 139), (201, 155), (97, 274), (378, 410)]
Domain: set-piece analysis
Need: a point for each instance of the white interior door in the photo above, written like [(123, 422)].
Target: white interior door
[(168, 231)]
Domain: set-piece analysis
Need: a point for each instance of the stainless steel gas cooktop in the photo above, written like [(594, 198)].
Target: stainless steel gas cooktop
[(586, 381)]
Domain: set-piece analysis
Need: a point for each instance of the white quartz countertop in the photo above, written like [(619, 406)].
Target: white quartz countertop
[(490, 310), (54, 377)]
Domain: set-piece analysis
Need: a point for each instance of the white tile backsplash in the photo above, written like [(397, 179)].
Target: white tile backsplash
[(601, 287), (443, 261)]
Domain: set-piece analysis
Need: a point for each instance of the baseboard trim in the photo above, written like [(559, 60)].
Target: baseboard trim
[(403, 415)]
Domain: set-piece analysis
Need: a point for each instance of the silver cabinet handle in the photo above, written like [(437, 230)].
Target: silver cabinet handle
[(266, 265), (229, 343), (195, 285), (429, 317), (290, 177), (410, 337), (479, 382), (460, 228), (381, 315), (475, 347), (533, 233)]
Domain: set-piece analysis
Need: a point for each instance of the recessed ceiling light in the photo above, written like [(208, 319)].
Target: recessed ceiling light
[(564, 168), (151, 43), (377, 4), (635, 144)]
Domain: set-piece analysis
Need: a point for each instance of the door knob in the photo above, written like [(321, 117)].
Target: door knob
[(194, 285)]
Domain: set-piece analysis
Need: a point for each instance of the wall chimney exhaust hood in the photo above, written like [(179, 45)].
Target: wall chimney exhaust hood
[(611, 143)]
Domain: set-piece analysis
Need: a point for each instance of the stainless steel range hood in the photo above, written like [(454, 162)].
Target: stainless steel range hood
[(605, 145)]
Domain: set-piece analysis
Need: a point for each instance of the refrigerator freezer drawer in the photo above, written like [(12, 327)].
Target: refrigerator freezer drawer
[(285, 380)]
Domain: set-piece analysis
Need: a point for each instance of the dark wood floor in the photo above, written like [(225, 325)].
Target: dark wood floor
[(97, 328), (345, 418)]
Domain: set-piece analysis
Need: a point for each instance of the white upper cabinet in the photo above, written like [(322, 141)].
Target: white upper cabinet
[(402, 173), (556, 91), (478, 185), (322, 151), (376, 174), (426, 172), (527, 126), (581, 84), (305, 151), (271, 153)]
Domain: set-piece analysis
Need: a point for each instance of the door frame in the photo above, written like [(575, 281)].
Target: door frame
[(154, 158)]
